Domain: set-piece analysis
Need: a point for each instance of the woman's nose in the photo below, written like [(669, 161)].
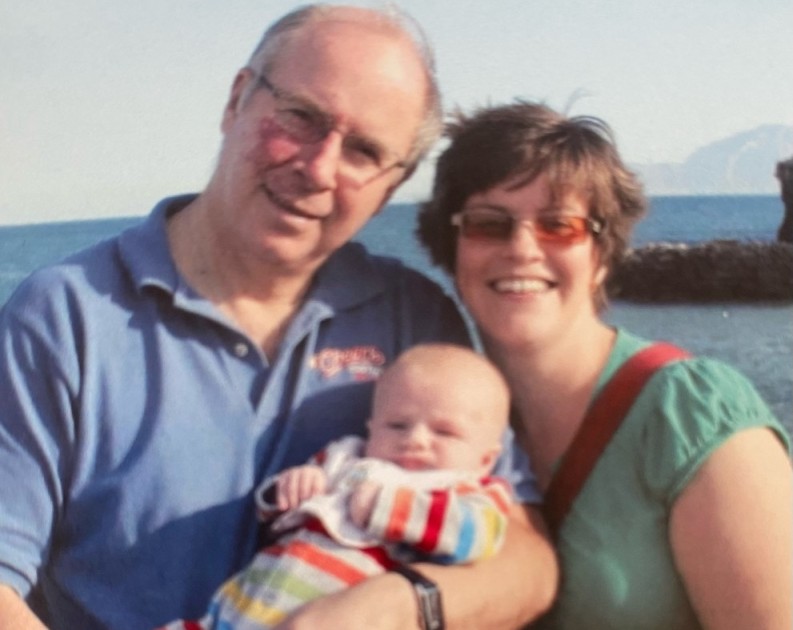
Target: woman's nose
[(523, 241)]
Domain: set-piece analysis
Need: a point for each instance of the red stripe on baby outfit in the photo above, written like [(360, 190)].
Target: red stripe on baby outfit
[(435, 515)]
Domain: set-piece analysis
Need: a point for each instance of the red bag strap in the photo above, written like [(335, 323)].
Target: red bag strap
[(602, 420)]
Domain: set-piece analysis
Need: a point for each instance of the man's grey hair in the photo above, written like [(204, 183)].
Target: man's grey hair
[(391, 17)]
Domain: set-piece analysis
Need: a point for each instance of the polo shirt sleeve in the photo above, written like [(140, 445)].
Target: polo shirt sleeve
[(37, 384), (513, 465), (691, 408)]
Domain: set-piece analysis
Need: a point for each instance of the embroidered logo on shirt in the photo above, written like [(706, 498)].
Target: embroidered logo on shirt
[(363, 363)]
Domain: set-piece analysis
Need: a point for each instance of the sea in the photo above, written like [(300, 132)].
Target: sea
[(757, 337)]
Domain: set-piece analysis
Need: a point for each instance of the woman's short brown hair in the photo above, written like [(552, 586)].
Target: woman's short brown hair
[(516, 143)]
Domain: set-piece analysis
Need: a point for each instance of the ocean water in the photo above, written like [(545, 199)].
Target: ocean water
[(756, 338)]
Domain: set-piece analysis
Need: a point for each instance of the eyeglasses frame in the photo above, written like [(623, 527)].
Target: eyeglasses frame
[(594, 226), (327, 127)]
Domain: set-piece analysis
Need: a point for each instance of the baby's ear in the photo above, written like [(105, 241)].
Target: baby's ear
[(489, 458)]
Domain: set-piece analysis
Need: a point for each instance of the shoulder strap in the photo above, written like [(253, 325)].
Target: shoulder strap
[(602, 420)]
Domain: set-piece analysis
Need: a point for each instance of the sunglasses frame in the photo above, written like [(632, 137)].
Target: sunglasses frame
[(589, 225)]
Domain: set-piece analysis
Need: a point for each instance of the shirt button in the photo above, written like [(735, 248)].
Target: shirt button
[(241, 349)]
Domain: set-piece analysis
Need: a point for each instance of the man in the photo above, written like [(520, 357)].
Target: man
[(147, 384)]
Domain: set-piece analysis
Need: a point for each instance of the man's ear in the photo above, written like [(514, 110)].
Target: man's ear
[(236, 97)]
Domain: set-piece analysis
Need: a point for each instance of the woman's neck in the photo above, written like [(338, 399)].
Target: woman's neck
[(551, 389)]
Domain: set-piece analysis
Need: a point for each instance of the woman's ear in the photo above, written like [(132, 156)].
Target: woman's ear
[(599, 277)]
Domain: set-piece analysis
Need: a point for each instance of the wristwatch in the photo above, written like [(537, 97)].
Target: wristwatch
[(428, 596)]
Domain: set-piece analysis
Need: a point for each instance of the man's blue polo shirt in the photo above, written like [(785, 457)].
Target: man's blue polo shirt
[(135, 419)]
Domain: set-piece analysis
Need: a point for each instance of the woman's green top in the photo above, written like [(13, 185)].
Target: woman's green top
[(617, 565)]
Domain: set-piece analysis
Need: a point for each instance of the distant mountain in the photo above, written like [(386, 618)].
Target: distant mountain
[(743, 163)]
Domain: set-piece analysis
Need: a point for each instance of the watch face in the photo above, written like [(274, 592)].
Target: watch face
[(428, 597), (430, 606)]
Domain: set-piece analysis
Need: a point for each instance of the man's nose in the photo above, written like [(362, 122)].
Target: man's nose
[(323, 159)]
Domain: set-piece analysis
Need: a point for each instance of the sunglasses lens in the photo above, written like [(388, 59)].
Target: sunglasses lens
[(486, 226), (498, 226), (561, 229)]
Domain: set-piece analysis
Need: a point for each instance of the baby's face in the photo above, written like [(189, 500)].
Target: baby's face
[(424, 424)]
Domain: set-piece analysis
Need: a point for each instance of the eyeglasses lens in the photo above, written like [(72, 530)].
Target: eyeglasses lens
[(492, 227), (303, 125), (361, 160)]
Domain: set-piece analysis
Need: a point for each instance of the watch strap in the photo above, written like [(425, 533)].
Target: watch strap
[(428, 597)]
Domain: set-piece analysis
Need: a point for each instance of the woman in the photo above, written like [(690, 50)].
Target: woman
[(685, 522)]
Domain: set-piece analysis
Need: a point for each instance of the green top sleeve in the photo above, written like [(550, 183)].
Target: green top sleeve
[(693, 407), (618, 570)]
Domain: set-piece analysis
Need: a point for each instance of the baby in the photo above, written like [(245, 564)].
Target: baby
[(417, 489)]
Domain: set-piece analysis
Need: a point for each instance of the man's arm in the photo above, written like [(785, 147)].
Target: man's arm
[(14, 613), (34, 416), (515, 586), (505, 591)]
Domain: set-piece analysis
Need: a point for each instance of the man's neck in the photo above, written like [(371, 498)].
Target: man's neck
[(259, 298)]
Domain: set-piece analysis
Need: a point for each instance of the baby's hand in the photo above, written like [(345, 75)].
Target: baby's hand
[(362, 501), (298, 484)]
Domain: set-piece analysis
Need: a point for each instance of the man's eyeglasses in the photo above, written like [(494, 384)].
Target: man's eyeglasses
[(362, 159), (495, 225)]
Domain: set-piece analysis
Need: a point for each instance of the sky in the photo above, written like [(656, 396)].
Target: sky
[(108, 106)]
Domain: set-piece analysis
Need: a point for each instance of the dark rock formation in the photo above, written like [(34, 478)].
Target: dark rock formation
[(713, 271), (784, 172)]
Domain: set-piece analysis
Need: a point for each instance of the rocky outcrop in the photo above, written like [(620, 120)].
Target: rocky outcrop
[(713, 271), (784, 172)]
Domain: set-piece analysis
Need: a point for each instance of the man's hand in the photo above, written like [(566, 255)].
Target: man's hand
[(295, 485)]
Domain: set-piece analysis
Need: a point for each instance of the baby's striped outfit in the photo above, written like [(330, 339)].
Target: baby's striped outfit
[(438, 516)]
